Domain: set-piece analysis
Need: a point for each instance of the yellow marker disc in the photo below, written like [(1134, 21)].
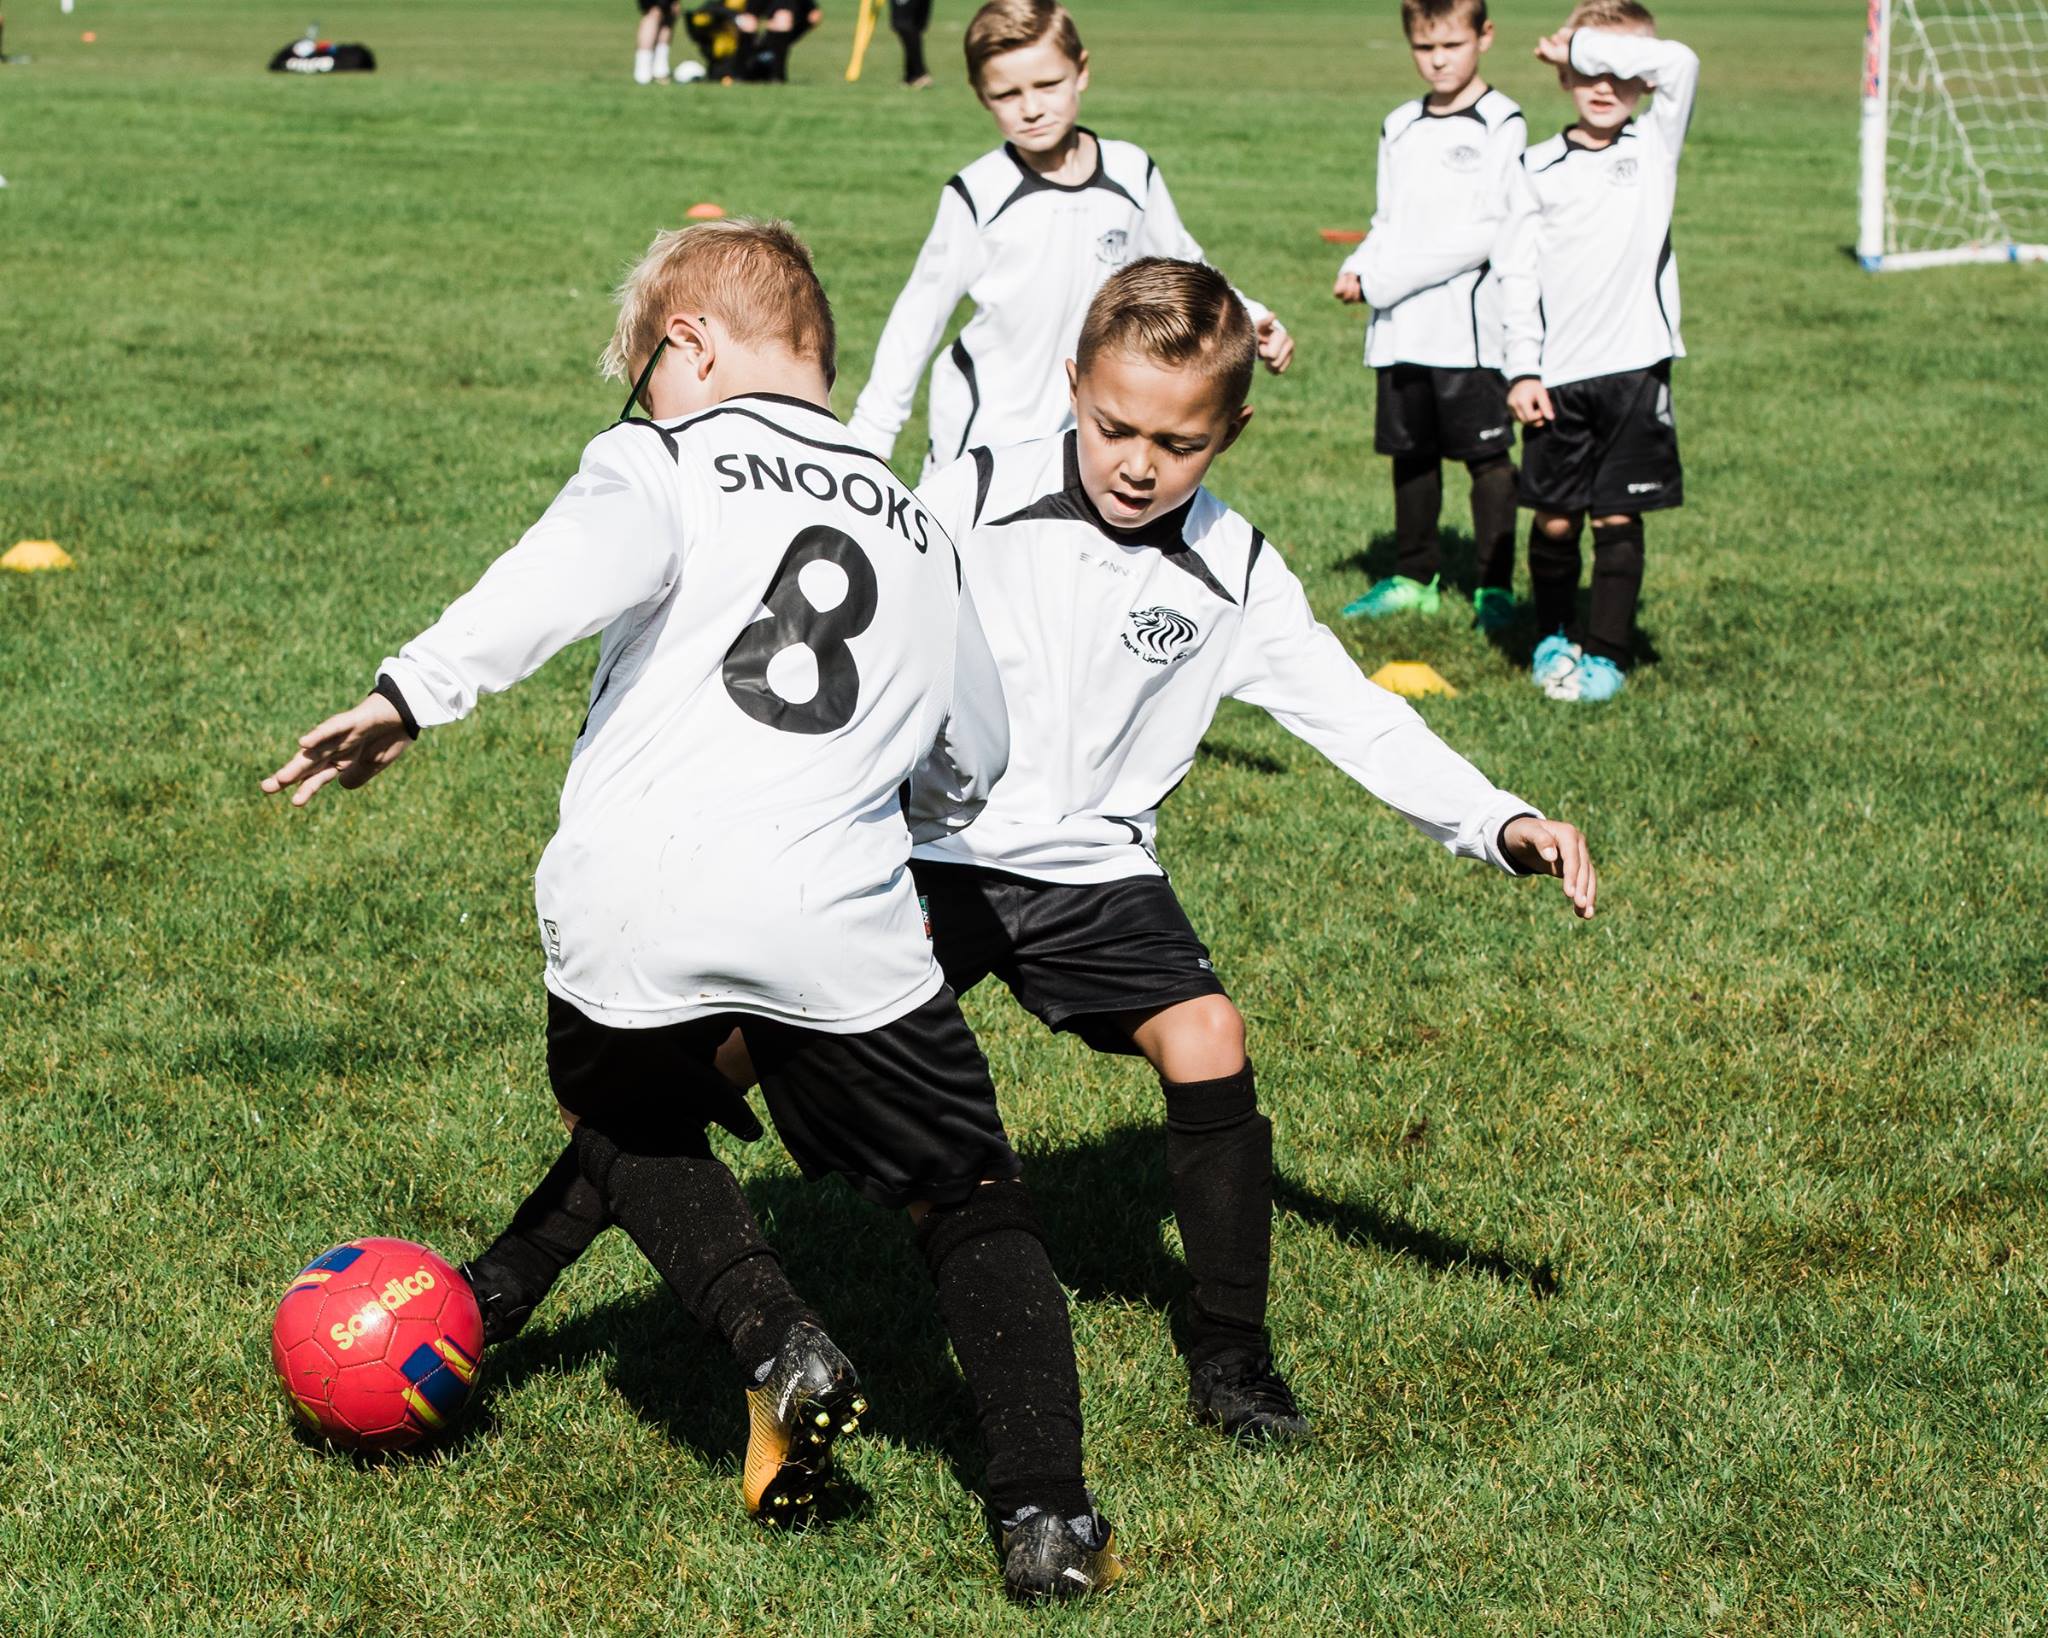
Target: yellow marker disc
[(1412, 678), (27, 556)]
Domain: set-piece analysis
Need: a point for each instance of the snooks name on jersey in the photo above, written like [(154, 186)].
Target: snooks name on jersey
[(853, 489), (1159, 636)]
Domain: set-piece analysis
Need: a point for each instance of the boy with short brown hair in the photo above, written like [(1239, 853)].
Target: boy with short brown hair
[(1123, 601), (1029, 231), (1434, 337)]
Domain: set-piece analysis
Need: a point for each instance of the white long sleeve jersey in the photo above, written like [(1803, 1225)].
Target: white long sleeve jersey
[(1030, 254), (1426, 264), (783, 635), (1589, 285), (1115, 649)]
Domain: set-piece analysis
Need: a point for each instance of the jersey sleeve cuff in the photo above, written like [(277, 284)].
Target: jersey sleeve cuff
[(392, 692), (1516, 809)]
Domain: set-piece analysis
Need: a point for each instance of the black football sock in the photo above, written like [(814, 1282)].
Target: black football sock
[(1418, 498), (1617, 584), (1553, 578), (553, 1226), (686, 1214), (1219, 1170), (1493, 521), (1007, 1315)]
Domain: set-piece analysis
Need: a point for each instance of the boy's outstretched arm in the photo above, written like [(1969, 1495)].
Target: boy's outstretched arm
[(608, 543), (946, 266), (1292, 666)]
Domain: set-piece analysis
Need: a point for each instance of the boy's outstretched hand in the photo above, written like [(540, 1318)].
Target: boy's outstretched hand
[(1276, 346), (1548, 847), (353, 746), (1556, 49), (1348, 288)]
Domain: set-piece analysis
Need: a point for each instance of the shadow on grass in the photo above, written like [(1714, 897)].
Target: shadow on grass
[(1516, 642), (1102, 1202)]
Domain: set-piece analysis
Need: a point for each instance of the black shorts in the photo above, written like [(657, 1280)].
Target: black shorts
[(1074, 956), (905, 1112), (667, 8), (1451, 415), (1612, 448)]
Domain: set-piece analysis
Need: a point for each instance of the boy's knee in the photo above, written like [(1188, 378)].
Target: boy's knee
[(1558, 526), (1198, 1040)]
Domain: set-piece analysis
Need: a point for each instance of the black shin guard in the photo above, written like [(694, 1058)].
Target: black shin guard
[(1493, 521), (1007, 1315), (686, 1214), (553, 1226), (1219, 1167), (1553, 578), (1617, 585), (1418, 498)]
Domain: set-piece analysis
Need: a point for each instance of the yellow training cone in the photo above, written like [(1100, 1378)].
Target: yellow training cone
[(1412, 678), (27, 556)]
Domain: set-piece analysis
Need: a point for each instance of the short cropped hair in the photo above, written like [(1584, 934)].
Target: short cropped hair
[(1178, 313), (1011, 25), (1414, 13), (754, 276), (1619, 14)]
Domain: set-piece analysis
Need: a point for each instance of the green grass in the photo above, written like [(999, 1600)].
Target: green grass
[(1678, 1273)]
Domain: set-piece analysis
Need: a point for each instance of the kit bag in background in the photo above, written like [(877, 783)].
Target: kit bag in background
[(323, 57)]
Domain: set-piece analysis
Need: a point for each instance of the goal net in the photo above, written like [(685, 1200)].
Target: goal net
[(1955, 133)]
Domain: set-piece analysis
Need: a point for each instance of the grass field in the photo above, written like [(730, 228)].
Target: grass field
[(1683, 1272)]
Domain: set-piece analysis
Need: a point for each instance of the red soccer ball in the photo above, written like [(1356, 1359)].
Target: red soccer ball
[(378, 1343)]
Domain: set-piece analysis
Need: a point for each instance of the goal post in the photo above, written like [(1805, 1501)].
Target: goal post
[(1954, 133)]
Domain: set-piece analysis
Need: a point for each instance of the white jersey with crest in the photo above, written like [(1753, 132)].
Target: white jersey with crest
[(1115, 648), (1030, 254), (1426, 265), (1589, 285), (782, 626)]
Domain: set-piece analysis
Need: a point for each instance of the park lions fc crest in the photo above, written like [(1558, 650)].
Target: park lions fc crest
[(1111, 246), (1159, 636)]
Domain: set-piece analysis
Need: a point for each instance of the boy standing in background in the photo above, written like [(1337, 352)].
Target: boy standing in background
[(1590, 290), (1434, 337), (1029, 231)]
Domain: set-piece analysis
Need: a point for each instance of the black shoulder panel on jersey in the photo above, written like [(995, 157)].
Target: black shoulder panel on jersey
[(1251, 560), (1189, 561), (1165, 534), (984, 475), (1030, 182), (958, 186), (675, 451)]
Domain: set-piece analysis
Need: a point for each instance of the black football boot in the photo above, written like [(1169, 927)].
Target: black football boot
[(807, 1397), (1241, 1393)]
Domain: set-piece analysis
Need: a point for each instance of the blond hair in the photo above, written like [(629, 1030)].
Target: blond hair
[(1178, 313), (1011, 25), (1626, 15), (754, 276)]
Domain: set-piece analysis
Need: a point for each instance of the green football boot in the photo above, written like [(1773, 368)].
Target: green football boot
[(1397, 594), (1493, 609)]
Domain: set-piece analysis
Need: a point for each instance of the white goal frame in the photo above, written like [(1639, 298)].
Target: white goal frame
[(1874, 231)]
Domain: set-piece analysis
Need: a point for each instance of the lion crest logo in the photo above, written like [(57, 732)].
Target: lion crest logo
[(1159, 636), (1623, 175), (1111, 246), (1464, 158)]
